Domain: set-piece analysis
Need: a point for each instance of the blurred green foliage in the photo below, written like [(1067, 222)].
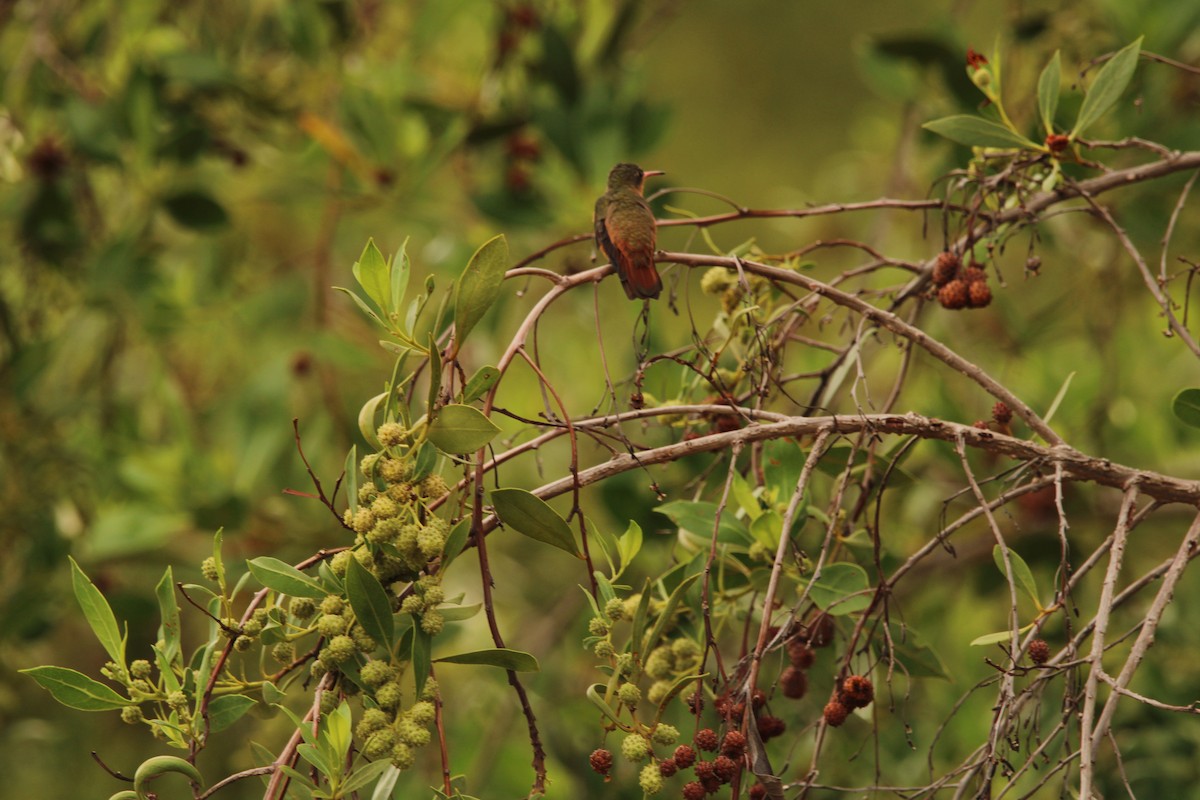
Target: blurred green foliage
[(187, 180)]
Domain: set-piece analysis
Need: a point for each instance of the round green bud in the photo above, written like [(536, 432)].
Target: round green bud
[(615, 609), (394, 470), (391, 434), (114, 672), (650, 779), (333, 604), (402, 756), (630, 694), (384, 507), (363, 641), (341, 648), (376, 673), (131, 715), (402, 493), (380, 743), (635, 747), (262, 616), (367, 463), (657, 692), (389, 696), (363, 520), (284, 652), (330, 625), (252, 628), (717, 279), (434, 596), (660, 664), (242, 643), (208, 568), (603, 648), (177, 700), (413, 604), (140, 668), (141, 685), (367, 494), (302, 607), (318, 669), (373, 719), (339, 561), (386, 531), (422, 712), (432, 621), (411, 733), (430, 692), (348, 518), (625, 664), (434, 486), (598, 627), (685, 649), (229, 627), (665, 734), (430, 542), (329, 702)]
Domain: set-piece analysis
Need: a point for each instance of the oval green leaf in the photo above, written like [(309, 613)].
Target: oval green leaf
[(1048, 89), (501, 657), (977, 132), (1110, 83), (992, 638), (697, 516), (225, 710), (461, 429), (479, 286), (284, 578), (370, 602), (479, 384), (530, 516), (1186, 406), (455, 542), (76, 690), (1021, 572), (371, 272), (842, 588), (98, 614)]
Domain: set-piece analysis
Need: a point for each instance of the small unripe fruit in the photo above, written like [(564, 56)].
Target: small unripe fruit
[(341, 648), (422, 712), (389, 696), (598, 627), (650, 779), (242, 643), (411, 733), (208, 568), (373, 719), (140, 668), (391, 434), (376, 673), (131, 715), (332, 604), (630, 694), (665, 734), (330, 625), (432, 621), (302, 607), (402, 756), (603, 648), (614, 609), (380, 743), (634, 747)]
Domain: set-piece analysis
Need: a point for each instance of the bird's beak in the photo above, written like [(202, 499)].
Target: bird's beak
[(650, 173)]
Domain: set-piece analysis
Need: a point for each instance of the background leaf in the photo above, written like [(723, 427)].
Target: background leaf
[(479, 286), (977, 132), (1108, 86), (98, 614), (1048, 91), (504, 658), (76, 690), (529, 515), (1186, 406)]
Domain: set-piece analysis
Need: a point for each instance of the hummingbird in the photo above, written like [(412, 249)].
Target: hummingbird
[(625, 230)]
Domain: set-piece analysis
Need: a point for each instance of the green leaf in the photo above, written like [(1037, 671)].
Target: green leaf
[(461, 429), (284, 578), (76, 690), (919, 659), (629, 544), (992, 638), (225, 710), (370, 602), (1048, 90), (593, 694), (480, 383), (501, 657), (156, 767), (479, 286), (371, 272), (435, 381), (367, 426), (640, 615), (977, 132), (335, 733), (767, 529), (399, 278), (530, 516), (362, 305), (697, 516), (744, 494), (455, 542), (363, 774), (1108, 86), (422, 647), (168, 609), (350, 474), (1021, 572), (197, 210), (667, 615), (842, 588), (1186, 406), (423, 462), (98, 613)]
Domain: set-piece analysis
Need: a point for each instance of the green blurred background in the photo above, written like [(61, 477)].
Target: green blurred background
[(184, 182)]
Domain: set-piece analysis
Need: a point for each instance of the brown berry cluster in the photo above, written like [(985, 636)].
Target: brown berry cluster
[(958, 287), (856, 691)]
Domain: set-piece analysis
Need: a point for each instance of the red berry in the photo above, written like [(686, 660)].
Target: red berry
[(685, 756), (759, 699), (800, 654), (724, 768), (706, 740), (1039, 651), (734, 744), (705, 770), (979, 294), (857, 691), (1002, 413), (1057, 142), (693, 791), (835, 713), (758, 792), (946, 268), (974, 274), (601, 760), (954, 295), (820, 634), (667, 767), (769, 727), (794, 683)]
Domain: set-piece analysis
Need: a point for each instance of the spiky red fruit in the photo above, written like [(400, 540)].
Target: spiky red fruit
[(694, 791), (724, 768), (685, 756), (769, 727), (835, 713), (601, 760), (793, 682), (1002, 413), (758, 792), (979, 294), (734, 744), (667, 767), (1039, 651), (857, 691), (946, 268), (800, 654), (706, 740), (954, 295)]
